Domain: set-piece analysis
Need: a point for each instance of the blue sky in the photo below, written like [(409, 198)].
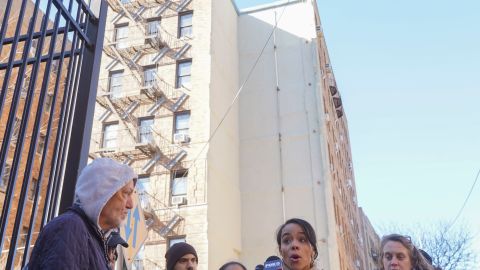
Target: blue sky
[(409, 75)]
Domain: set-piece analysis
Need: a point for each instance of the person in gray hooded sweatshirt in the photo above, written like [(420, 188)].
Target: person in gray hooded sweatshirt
[(77, 238)]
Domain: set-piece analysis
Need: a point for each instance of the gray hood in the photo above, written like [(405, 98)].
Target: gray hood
[(98, 182)]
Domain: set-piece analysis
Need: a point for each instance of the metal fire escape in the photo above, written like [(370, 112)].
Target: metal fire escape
[(136, 142)]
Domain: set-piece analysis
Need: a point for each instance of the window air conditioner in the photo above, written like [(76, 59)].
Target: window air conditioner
[(177, 200), (181, 138)]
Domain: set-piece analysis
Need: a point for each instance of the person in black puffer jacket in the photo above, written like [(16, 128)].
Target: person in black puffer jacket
[(77, 238)]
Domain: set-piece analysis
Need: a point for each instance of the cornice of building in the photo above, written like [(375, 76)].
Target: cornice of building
[(272, 5)]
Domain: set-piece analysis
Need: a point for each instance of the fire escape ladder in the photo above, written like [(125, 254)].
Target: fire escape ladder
[(179, 102), (161, 54), (182, 5), (138, 13), (127, 112), (105, 115), (115, 5), (118, 16), (178, 46), (151, 163), (170, 225), (178, 156), (158, 103), (182, 51), (163, 7), (112, 51)]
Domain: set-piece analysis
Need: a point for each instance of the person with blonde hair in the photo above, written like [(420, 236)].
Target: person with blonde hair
[(399, 253)]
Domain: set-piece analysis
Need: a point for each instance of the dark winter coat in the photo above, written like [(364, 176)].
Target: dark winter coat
[(73, 240), (70, 241)]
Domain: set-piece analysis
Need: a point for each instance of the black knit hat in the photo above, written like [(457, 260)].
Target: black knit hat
[(115, 239), (176, 252)]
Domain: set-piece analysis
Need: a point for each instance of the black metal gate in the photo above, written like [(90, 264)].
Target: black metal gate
[(50, 53)]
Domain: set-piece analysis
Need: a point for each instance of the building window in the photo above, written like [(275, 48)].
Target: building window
[(143, 187), (41, 144), (182, 123), (153, 26), (115, 83), (33, 46), (149, 76), (121, 36), (54, 67), (24, 86), (185, 24), (5, 176), (173, 241), (184, 74), (110, 135), (16, 129), (32, 188), (146, 130), (48, 102), (179, 187)]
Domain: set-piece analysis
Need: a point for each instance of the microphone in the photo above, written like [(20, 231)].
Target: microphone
[(273, 263), (259, 267)]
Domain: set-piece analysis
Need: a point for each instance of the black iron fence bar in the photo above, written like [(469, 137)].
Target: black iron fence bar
[(33, 215), (11, 117), (65, 139), (36, 35), (4, 28), (68, 131), (75, 119), (33, 60), (6, 78), (33, 146), (59, 151), (69, 17), (83, 117), (86, 9)]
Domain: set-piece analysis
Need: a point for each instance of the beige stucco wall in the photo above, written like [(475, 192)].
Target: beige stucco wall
[(286, 179), (224, 206)]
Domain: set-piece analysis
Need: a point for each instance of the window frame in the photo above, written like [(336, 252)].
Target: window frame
[(140, 129), (181, 27), (155, 72), (175, 121), (118, 75), (157, 20), (32, 188), (41, 143), (48, 102), (178, 76), (184, 174), (170, 239), (142, 194), (104, 126), (5, 176), (120, 42)]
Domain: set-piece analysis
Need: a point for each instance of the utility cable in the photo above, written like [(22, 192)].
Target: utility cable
[(240, 89), (464, 203)]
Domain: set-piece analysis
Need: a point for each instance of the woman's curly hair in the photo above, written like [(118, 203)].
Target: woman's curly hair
[(418, 261)]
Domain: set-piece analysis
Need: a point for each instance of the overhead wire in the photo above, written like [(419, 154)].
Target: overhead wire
[(464, 203), (249, 74)]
